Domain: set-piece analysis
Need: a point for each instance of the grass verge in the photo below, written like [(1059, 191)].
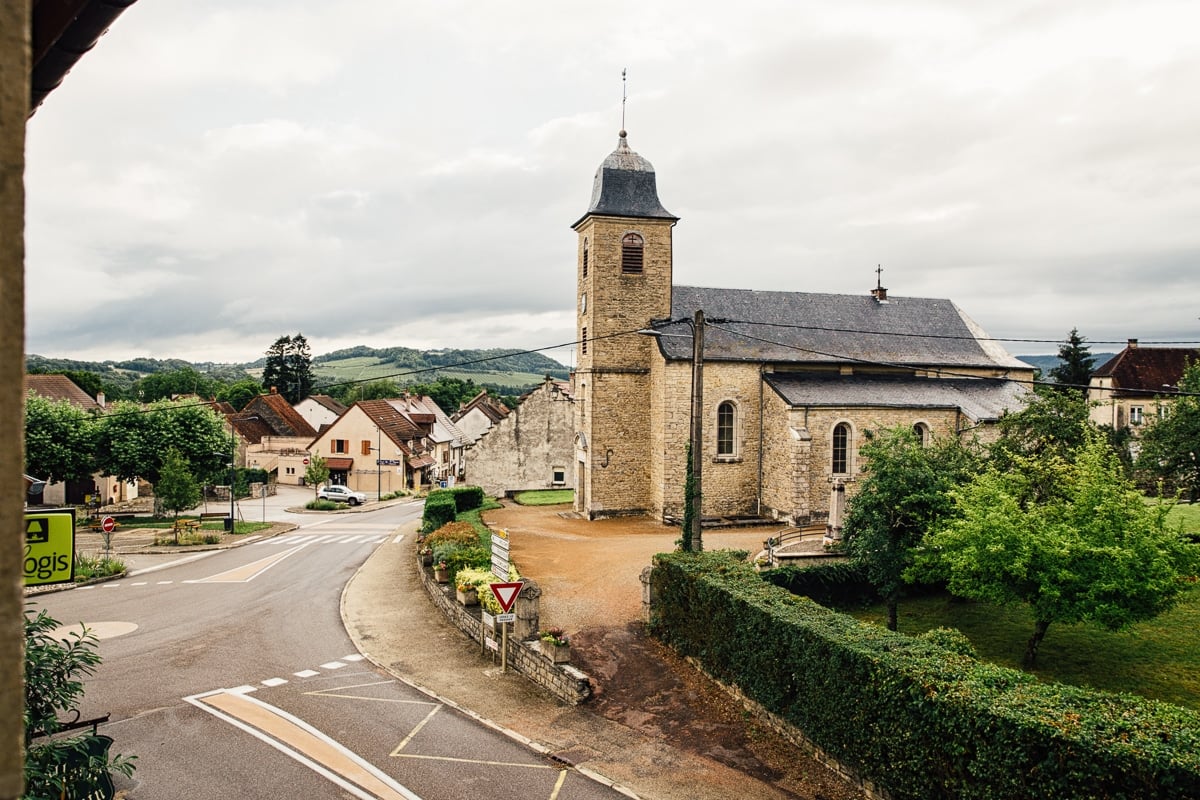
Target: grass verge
[(1158, 659), (544, 497)]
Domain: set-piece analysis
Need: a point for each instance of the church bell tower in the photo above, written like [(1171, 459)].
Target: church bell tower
[(623, 273)]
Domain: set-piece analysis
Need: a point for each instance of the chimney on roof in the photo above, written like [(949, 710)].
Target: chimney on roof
[(100, 399), (274, 390), (1132, 344)]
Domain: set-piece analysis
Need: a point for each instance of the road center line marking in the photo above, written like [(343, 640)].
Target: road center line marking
[(297, 739), (248, 572)]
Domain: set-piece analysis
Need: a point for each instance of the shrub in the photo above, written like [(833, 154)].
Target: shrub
[(439, 510), (466, 498), (918, 719), (950, 639), (323, 505), (87, 567), (458, 532)]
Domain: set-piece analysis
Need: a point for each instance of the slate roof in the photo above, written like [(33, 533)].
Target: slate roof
[(1139, 370), (60, 387), (981, 399), (829, 328), (625, 186)]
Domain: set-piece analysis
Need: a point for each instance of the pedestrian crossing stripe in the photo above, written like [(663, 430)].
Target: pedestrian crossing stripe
[(325, 539)]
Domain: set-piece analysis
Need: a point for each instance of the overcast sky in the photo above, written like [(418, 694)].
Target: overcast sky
[(217, 173)]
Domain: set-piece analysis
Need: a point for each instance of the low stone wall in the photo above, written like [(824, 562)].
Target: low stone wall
[(561, 680)]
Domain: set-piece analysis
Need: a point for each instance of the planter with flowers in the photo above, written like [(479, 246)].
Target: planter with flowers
[(441, 572), (466, 592), (426, 555), (555, 645)]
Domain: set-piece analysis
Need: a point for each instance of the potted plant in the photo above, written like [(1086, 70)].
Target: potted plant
[(466, 592), (441, 572), (555, 645), (426, 553)]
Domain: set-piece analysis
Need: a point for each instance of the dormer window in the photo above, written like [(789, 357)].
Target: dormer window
[(632, 250)]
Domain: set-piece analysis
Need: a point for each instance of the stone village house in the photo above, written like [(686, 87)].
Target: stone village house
[(477, 416), (1134, 386), (528, 448), (792, 381)]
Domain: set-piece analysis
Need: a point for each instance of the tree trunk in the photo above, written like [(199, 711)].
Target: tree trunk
[(1035, 641), (893, 603)]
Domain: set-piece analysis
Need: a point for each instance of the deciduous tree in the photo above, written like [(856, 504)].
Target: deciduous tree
[(1170, 446), (60, 440), (1091, 551), (176, 489), (133, 439), (905, 491), (316, 473)]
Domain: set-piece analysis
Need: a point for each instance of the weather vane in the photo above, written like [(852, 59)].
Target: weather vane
[(623, 95)]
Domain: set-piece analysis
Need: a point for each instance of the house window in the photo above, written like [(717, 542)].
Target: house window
[(1135, 415), (841, 448), (1162, 412), (632, 248), (289, 470), (583, 341), (726, 415), (339, 446), (585, 257), (366, 447), (558, 476)]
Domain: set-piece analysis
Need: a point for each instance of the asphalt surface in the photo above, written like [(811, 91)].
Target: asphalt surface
[(391, 622)]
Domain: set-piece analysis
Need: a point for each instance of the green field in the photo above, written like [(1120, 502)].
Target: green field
[(1186, 515)]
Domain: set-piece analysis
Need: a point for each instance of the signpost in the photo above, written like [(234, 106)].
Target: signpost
[(108, 524), (506, 595), (500, 554), (49, 555)]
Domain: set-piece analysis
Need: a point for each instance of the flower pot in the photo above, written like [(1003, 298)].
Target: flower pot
[(441, 575), (468, 597), (558, 653), (427, 559)]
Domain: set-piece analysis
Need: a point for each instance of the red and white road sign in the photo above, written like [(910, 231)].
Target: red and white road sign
[(108, 524), (306, 462), (506, 593)]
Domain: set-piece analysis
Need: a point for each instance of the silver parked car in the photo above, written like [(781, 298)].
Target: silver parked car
[(340, 494)]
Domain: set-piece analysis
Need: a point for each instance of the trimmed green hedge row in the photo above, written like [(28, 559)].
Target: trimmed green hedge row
[(444, 505), (918, 719)]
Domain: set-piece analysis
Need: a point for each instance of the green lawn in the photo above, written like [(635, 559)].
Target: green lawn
[(1186, 515), (545, 497), (1159, 659)]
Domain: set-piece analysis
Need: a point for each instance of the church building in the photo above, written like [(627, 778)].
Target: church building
[(791, 381)]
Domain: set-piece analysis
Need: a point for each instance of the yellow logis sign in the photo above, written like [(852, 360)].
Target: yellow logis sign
[(49, 547)]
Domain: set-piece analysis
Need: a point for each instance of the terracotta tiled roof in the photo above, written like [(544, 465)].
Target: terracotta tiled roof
[(328, 402), (417, 462), (340, 463), (493, 409), (394, 424), (1138, 370), (60, 387), (277, 412)]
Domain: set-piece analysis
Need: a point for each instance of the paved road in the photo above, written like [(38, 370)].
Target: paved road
[(230, 675)]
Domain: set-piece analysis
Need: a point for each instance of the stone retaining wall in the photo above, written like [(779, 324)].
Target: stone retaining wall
[(561, 680)]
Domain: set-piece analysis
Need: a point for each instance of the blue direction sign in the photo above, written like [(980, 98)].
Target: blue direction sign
[(49, 546)]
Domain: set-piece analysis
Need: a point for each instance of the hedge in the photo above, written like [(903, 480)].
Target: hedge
[(467, 498), (439, 509), (918, 719)]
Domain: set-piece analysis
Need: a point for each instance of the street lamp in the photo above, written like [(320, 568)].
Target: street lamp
[(696, 433)]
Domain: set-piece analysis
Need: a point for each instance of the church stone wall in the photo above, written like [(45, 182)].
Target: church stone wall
[(526, 448), (618, 433)]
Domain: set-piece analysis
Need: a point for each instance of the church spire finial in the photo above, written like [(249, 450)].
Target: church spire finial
[(623, 97), (879, 293)]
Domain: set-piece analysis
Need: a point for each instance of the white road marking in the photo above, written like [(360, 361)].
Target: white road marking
[(333, 665), (355, 657), (140, 583), (176, 562), (306, 673), (248, 572), (297, 739), (398, 539), (274, 682)]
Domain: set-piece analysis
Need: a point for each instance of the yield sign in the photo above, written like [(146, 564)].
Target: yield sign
[(506, 593)]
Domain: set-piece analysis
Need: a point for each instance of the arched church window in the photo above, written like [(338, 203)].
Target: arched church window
[(632, 249), (922, 432), (726, 417), (841, 449), (585, 257)]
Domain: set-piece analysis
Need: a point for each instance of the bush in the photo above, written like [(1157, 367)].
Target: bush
[(950, 639), (440, 509), (461, 533), (466, 498), (323, 505), (918, 719), (87, 568)]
